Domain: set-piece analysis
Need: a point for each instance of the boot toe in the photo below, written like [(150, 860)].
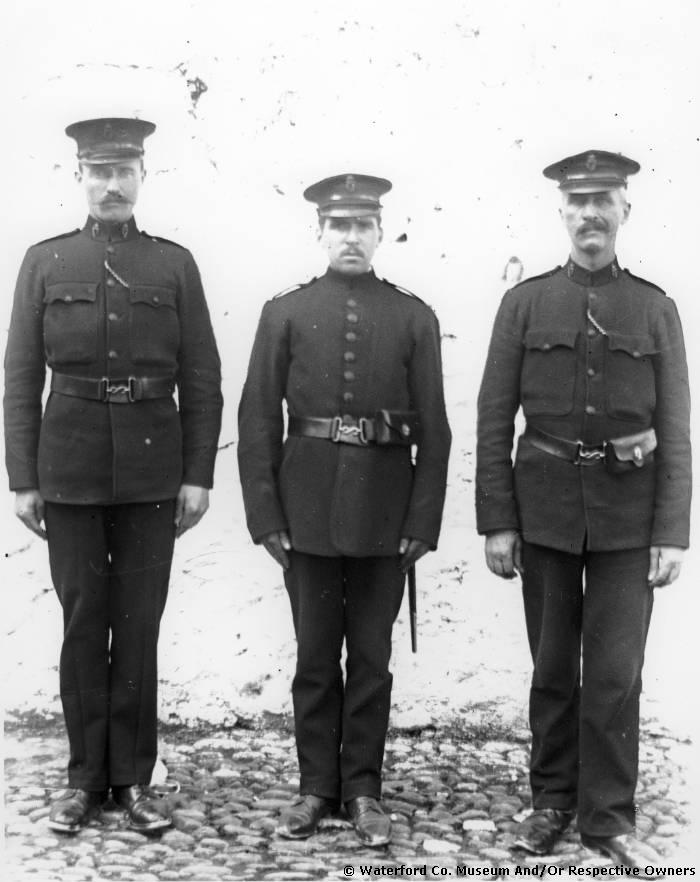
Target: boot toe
[(372, 826), (145, 810), (74, 810), (300, 820)]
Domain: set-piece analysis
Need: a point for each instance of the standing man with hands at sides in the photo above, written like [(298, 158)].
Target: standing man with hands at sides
[(113, 470), (599, 496), (339, 504)]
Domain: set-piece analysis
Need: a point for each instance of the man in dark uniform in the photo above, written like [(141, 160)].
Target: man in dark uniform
[(113, 468), (340, 505), (600, 494)]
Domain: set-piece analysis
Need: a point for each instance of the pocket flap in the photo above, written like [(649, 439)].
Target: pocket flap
[(549, 338), (400, 425), (68, 292), (636, 345), (153, 295), (634, 448)]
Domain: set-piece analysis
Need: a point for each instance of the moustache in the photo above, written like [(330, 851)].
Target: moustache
[(590, 226)]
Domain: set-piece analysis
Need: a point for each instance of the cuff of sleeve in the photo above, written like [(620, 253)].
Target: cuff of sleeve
[(430, 537), (484, 526), (670, 541), (259, 535), (198, 477), (28, 481)]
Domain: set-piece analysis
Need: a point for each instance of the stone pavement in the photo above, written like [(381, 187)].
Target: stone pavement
[(454, 796)]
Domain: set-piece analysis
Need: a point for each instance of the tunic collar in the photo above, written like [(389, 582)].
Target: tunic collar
[(350, 281), (582, 276), (104, 231)]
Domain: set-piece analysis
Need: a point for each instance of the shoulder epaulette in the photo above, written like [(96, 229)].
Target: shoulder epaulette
[(161, 239), (294, 288), (546, 275), (403, 290), (644, 281), (60, 236)]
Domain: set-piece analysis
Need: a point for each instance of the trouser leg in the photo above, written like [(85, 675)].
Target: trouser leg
[(373, 592), (617, 610), (78, 557), (315, 588), (141, 539), (553, 599)]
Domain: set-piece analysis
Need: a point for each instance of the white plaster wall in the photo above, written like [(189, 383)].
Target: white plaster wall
[(460, 104)]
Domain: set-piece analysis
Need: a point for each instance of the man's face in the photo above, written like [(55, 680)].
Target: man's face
[(592, 219), (350, 242), (112, 188)]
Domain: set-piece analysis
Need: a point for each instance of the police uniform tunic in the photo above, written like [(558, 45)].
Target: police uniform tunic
[(343, 346), (120, 318), (590, 357), (110, 302)]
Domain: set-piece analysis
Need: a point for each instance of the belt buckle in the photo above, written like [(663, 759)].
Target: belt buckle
[(362, 423), (591, 455), (118, 392), (342, 434)]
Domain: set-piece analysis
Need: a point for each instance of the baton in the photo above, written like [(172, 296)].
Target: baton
[(412, 607)]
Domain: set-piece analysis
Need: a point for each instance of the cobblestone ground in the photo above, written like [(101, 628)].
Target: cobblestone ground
[(454, 798)]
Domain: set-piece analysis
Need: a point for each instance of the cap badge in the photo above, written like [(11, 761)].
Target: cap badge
[(350, 184), (591, 162), (107, 132)]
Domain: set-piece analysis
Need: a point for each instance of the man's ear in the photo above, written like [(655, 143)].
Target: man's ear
[(78, 175), (381, 235)]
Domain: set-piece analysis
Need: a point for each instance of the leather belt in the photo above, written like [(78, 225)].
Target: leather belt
[(113, 391), (359, 432), (577, 452)]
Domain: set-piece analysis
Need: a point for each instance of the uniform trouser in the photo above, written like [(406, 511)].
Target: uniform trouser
[(110, 567), (588, 649), (341, 729)]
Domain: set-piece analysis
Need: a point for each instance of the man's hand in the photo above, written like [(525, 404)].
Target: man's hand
[(410, 551), (29, 508), (504, 553), (664, 565), (278, 544), (190, 506)]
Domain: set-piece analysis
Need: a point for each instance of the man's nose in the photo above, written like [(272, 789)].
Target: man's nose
[(352, 233), (590, 209), (113, 185)]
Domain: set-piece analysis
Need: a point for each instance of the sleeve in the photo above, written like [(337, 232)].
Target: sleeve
[(25, 373), (671, 523), (261, 424), (497, 405), (198, 382), (427, 500)]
